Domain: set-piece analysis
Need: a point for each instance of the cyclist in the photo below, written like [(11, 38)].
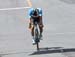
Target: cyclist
[(35, 15)]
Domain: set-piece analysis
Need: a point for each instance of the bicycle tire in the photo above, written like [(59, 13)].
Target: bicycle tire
[(37, 39), (37, 44)]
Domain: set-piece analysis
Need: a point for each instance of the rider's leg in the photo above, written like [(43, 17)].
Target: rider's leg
[(30, 22), (33, 39), (32, 31), (41, 29), (31, 26), (40, 25)]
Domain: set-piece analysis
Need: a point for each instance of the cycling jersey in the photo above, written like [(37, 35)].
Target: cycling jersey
[(30, 13)]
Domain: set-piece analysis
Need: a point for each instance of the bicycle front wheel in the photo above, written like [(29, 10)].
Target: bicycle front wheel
[(37, 39), (37, 44)]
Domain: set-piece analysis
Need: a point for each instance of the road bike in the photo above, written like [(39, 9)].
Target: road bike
[(36, 35)]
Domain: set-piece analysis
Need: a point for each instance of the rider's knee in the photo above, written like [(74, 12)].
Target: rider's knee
[(32, 28), (41, 26)]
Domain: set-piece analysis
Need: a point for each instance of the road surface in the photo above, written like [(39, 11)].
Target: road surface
[(59, 28)]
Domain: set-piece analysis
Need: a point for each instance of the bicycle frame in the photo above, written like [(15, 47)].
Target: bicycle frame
[(36, 34)]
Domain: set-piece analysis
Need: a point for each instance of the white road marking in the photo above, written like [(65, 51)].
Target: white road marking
[(65, 33), (14, 8)]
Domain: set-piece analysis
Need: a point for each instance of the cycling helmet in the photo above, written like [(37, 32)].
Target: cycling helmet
[(35, 12)]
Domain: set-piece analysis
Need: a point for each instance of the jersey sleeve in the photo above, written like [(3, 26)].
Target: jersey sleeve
[(40, 12), (30, 12)]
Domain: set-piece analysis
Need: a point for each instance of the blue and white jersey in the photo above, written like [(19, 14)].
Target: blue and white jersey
[(30, 12)]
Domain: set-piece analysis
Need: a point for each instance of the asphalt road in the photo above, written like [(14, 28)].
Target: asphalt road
[(59, 29)]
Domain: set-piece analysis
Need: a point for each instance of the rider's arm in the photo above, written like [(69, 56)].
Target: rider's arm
[(40, 11), (30, 12), (40, 14)]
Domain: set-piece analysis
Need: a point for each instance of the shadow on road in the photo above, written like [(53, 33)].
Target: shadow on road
[(68, 1), (53, 50), (1, 55)]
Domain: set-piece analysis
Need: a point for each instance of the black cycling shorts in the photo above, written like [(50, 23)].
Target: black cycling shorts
[(36, 20)]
